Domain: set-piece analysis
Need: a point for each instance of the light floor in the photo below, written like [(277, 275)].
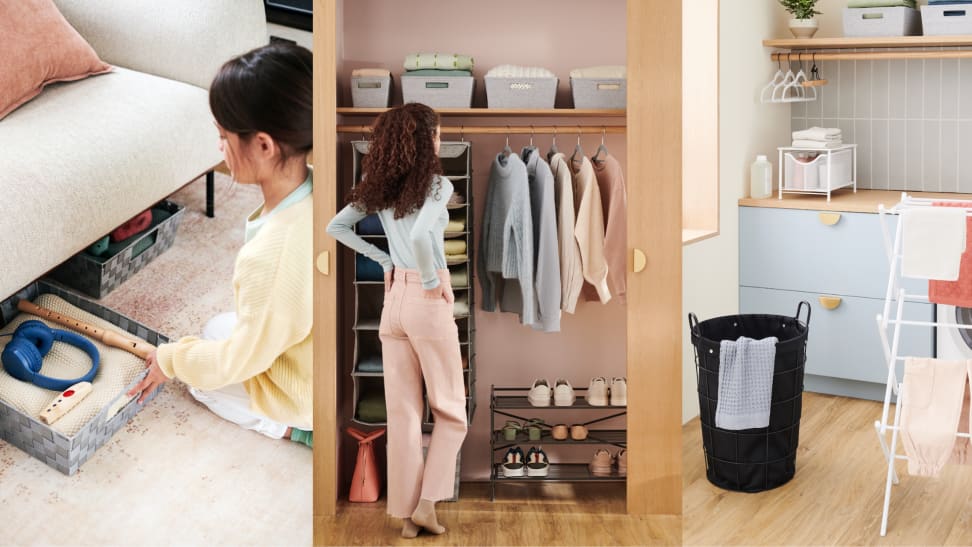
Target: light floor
[(176, 474), (836, 496), (523, 514)]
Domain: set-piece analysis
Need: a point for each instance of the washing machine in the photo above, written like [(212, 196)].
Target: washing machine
[(952, 342)]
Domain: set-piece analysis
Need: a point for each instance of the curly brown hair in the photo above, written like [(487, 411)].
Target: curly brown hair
[(401, 163)]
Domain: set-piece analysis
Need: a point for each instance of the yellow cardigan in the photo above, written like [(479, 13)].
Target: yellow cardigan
[(270, 350)]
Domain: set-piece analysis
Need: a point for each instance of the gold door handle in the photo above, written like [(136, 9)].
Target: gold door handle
[(324, 263), (640, 261), (829, 302), (829, 219)]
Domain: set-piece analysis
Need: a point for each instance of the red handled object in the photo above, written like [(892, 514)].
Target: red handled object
[(140, 223), (366, 481)]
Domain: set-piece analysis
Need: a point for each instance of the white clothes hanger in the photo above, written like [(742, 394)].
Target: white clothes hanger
[(766, 95)]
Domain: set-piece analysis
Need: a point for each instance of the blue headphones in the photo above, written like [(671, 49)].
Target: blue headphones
[(24, 355)]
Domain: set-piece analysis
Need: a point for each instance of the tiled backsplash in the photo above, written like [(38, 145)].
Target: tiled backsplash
[(911, 120)]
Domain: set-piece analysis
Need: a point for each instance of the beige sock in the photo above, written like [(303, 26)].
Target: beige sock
[(424, 516), (409, 529)]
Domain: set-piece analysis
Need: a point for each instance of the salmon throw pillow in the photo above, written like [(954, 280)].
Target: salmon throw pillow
[(38, 47)]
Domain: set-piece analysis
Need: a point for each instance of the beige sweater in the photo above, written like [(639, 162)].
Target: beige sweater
[(571, 272), (589, 227), (610, 181)]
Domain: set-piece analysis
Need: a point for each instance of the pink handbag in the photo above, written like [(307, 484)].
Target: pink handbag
[(366, 481)]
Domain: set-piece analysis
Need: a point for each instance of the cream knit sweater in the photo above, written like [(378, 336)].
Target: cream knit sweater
[(589, 228), (270, 350), (571, 271)]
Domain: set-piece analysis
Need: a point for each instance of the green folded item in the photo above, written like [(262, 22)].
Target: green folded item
[(371, 407), (438, 73), (448, 61), (459, 278), (371, 363), (880, 3)]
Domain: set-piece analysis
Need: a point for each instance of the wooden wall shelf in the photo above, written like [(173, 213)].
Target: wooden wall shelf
[(875, 42), (501, 112)]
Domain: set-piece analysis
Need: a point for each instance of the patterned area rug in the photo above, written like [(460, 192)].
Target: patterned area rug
[(176, 474)]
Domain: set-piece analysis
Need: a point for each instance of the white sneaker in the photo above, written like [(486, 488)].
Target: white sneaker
[(539, 393), (597, 392), (619, 392), (563, 393)]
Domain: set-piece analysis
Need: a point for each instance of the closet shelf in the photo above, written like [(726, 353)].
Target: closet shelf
[(869, 42), (503, 112), (822, 49)]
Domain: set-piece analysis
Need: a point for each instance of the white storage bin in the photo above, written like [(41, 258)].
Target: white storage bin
[(438, 92), (947, 19), (887, 21), (829, 170), (520, 92), (609, 93), (370, 91)]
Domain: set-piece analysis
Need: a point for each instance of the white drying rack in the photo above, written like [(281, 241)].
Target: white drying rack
[(897, 296)]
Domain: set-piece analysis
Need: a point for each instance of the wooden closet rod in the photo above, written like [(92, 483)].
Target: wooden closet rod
[(565, 130), (871, 55)]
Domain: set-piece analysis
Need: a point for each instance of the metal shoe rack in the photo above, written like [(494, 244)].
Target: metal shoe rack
[(456, 158), (506, 401)]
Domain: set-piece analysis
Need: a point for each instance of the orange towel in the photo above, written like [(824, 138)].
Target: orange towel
[(958, 292)]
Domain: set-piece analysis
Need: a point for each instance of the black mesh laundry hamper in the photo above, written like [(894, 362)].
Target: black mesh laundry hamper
[(752, 460)]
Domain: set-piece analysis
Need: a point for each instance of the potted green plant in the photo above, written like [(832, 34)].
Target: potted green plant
[(803, 24)]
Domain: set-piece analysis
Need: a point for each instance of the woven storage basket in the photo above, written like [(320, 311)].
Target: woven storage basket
[(438, 92), (96, 277), (67, 453), (370, 91), (521, 92), (611, 93)]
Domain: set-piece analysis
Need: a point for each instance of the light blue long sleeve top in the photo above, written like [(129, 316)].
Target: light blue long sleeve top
[(415, 241)]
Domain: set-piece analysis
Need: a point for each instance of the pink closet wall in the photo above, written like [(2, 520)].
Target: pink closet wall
[(558, 35)]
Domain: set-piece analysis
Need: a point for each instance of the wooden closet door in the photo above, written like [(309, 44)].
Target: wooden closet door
[(325, 251), (654, 186)]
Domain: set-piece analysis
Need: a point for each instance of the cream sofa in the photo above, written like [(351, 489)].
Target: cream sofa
[(83, 157)]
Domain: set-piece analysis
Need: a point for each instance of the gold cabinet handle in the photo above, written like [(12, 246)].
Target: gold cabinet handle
[(829, 302), (640, 261), (829, 219), (324, 263)]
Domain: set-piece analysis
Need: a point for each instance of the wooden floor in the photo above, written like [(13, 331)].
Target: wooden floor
[(837, 494), (523, 514)]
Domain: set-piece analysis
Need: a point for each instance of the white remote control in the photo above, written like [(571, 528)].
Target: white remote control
[(65, 401)]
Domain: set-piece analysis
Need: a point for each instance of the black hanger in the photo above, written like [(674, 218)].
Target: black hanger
[(601, 148)]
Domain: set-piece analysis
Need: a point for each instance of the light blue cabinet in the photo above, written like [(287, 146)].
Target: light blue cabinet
[(789, 255)]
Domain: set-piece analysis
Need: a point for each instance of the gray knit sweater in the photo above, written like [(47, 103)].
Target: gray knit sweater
[(506, 237), (546, 247)]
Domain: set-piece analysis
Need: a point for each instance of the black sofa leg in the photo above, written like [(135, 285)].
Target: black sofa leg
[(210, 194)]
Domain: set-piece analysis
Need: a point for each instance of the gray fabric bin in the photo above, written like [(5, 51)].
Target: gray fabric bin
[(886, 21), (521, 92), (96, 277), (609, 93), (947, 19), (370, 91), (63, 453), (438, 92)]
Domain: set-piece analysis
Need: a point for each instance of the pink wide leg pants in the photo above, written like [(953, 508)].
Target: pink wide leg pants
[(420, 340)]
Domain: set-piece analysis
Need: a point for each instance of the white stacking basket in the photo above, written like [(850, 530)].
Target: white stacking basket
[(947, 19), (886, 21), (833, 168)]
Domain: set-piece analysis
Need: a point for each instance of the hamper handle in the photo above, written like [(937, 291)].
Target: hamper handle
[(799, 307), (693, 322)]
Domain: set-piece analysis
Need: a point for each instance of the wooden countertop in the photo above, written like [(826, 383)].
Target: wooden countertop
[(843, 200)]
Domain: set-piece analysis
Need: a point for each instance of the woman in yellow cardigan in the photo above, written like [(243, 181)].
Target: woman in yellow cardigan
[(254, 367)]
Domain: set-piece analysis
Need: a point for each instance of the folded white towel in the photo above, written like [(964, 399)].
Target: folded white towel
[(932, 242), (817, 144), (513, 71), (745, 383), (603, 71), (817, 134), (370, 73)]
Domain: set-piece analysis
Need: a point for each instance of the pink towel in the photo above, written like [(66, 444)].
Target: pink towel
[(958, 292)]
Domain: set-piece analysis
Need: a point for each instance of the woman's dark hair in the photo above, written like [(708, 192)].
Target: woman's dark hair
[(401, 162), (268, 89)]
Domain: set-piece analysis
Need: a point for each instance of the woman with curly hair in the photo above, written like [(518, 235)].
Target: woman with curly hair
[(402, 183)]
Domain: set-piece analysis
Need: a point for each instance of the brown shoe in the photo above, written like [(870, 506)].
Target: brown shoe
[(622, 459), (578, 432), (559, 432), (602, 463)]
